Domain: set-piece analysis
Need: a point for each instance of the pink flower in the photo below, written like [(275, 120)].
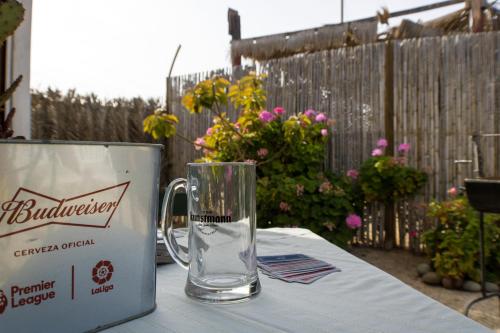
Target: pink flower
[(310, 113), (262, 152), (381, 143), (325, 187), (452, 191), (284, 206), (377, 152), (413, 233), (353, 221), (353, 174), (279, 110), (399, 160), (324, 132), (210, 131), (300, 189), (266, 116), (321, 117), (199, 143), (404, 147)]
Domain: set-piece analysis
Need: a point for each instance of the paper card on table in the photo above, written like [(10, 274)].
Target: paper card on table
[(281, 258), (295, 268)]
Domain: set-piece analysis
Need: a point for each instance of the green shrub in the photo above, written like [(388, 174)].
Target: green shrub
[(288, 150), (324, 203), (453, 244)]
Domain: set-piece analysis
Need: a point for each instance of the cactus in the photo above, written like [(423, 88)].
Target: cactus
[(11, 16), (4, 96)]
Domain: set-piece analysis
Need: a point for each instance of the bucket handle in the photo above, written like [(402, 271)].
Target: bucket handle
[(177, 252)]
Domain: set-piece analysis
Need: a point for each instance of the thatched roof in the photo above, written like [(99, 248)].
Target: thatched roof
[(311, 40), (362, 31), (455, 22)]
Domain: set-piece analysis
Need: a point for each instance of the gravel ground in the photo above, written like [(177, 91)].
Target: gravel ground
[(402, 264)]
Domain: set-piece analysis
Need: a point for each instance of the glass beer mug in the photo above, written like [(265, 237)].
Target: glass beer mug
[(221, 256)]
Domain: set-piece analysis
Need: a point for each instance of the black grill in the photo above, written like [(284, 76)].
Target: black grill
[(484, 194)]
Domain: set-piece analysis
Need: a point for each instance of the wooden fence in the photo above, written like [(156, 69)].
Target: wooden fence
[(433, 93), (70, 116)]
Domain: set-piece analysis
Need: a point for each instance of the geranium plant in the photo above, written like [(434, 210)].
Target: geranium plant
[(388, 178), (288, 150)]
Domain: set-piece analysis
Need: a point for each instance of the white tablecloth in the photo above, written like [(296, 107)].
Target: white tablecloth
[(361, 298)]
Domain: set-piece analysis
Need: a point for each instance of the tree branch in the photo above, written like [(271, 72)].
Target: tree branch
[(193, 143), (228, 125)]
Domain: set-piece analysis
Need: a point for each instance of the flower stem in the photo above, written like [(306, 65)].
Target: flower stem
[(228, 125), (193, 143)]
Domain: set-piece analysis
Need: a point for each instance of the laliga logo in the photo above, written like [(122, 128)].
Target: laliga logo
[(3, 301), (102, 273), (29, 209)]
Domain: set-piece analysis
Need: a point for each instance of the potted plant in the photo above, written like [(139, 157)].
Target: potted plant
[(453, 246)]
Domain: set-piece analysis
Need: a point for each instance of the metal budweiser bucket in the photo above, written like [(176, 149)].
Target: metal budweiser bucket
[(77, 234)]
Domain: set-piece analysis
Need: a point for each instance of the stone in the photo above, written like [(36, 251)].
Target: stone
[(450, 283), (471, 286), (431, 278), (388, 245), (447, 283), (491, 287), (423, 268)]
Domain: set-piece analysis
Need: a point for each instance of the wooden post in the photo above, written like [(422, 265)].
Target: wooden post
[(233, 19), (477, 7), (389, 216), (3, 76)]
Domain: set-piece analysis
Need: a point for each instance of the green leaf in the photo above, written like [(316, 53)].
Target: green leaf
[(11, 16), (160, 125)]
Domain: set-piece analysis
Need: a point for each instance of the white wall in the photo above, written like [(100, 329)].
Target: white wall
[(18, 63)]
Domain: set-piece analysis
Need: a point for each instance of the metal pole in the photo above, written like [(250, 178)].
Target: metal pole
[(341, 11), (485, 295), (481, 253)]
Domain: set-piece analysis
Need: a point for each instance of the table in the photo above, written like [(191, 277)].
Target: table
[(361, 298)]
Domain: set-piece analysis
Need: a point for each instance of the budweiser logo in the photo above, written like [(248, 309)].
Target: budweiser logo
[(29, 209)]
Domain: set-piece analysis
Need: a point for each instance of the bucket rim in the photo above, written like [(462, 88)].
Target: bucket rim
[(82, 143)]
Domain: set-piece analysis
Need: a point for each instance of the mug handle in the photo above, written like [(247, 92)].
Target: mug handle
[(177, 252)]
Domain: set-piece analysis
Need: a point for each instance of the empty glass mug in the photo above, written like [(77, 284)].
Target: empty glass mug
[(221, 256)]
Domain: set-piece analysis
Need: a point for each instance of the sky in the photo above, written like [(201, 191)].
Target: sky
[(123, 48)]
